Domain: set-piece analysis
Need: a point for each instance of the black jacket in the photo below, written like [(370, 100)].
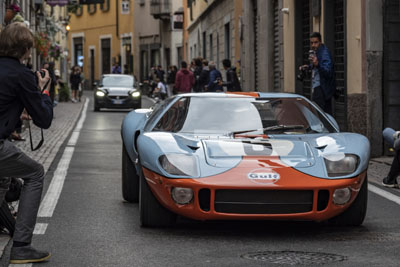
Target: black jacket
[(232, 82), (19, 90)]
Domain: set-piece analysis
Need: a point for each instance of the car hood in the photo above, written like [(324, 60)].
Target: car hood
[(217, 154), (117, 90)]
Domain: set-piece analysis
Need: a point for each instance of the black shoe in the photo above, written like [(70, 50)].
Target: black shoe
[(393, 184), (27, 254)]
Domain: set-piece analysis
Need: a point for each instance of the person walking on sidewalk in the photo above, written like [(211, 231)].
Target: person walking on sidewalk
[(393, 138), (75, 79), (19, 89), (215, 82), (184, 79)]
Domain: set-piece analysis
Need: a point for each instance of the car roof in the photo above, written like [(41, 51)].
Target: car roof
[(117, 75), (245, 94)]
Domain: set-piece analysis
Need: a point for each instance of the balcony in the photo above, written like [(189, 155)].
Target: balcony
[(160, 9)]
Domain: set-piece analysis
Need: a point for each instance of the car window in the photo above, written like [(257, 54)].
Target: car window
[(118, 81), (226, 114), (158, 109)]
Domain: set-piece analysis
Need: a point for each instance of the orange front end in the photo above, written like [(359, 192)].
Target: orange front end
[(236, 195)]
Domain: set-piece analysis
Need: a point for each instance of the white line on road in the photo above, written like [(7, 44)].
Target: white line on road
[(384, 193), (50, 200), (20, 265), (40, 228)]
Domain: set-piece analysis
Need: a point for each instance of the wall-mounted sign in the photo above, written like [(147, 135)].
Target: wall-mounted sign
[(88, 2), (57, 2), (178, 21)]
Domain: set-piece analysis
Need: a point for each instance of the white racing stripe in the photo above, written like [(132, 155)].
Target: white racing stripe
[(50, 200), (384, 193)]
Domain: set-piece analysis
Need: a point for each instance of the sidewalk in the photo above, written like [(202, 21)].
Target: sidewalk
[(65, 116)]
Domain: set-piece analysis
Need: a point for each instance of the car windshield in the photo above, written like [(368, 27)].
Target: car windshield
[(118, 81), (228, 115)]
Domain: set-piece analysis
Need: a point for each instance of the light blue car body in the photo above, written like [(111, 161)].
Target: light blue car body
[(306, 154)]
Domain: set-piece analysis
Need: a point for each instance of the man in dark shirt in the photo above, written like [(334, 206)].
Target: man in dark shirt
[(232, 82), (19, 90)]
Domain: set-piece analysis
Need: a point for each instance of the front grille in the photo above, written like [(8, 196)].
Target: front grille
[(204, 199), (117, 97), (263, 201)]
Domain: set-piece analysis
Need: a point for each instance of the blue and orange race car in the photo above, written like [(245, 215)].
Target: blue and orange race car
[(218, 156)]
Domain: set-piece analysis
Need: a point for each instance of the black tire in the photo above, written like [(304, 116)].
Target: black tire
[(96, 107), (130, 178), (6, 218), (355, 214), (152, 213)]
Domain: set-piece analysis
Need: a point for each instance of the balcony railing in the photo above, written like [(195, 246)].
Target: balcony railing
[(160, 9)]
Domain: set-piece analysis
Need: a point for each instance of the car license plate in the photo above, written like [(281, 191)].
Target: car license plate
[(118, 101)]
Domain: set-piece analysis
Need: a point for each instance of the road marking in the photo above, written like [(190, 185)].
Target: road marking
[(40, 228), (20, 265), (50, 200), (384, 193)]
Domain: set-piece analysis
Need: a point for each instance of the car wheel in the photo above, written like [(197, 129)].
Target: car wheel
[(96, 107), (152, 213), (130, 178), (355, 214)]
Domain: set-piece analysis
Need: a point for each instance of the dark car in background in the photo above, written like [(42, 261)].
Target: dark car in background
[(117, 91)]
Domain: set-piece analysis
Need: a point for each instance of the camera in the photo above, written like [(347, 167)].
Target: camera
[(42, 73), (303, 73)]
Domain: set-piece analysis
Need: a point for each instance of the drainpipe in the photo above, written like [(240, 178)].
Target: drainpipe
[(116, 17)]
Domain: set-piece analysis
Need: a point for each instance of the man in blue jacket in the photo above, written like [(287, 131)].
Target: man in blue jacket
[(323, 73), (215, 82), (19, 90)]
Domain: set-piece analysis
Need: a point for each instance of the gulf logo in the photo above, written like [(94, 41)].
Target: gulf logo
[(263, 176)]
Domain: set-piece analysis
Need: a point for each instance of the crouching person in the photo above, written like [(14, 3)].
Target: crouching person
[(21, 89)]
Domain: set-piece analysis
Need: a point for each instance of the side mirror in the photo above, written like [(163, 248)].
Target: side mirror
[(334, 122)]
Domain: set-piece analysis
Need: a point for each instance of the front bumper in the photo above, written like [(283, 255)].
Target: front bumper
[(118, 101), (230, 196)]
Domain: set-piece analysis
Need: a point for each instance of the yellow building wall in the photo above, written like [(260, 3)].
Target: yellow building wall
[(93, 27), (354, 47), (289, 47)]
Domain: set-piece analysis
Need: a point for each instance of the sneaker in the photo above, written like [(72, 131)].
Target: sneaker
[(27, 254), (393, 184)]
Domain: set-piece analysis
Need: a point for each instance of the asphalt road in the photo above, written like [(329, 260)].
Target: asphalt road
[(92, 225)]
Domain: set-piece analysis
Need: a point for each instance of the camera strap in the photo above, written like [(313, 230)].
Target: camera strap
[(30, 138), (45, 86)]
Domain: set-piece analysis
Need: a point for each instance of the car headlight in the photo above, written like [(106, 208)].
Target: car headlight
[(341, 196), (135, 94), (341, 164), (179, 164), (182, 195), (100, 93)]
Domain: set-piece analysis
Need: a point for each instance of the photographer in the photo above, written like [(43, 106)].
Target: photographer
[(323, 74), (21, 88)]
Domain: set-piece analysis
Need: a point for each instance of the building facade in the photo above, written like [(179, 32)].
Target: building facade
[(213, 31), (101, 35), (158, 35)]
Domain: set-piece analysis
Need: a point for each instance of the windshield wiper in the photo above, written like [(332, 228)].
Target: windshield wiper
[(282, 127), (270, 129)]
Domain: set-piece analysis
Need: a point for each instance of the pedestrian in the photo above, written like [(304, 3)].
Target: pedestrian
[(393, 139), (116, 69), (232, 82), (75, 79), (323, 73), (204, 76), (160, 91), (20, 88), (50, 68), (184, 79), (215, 82), (197, 72), (171, 76), (159, 73)]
